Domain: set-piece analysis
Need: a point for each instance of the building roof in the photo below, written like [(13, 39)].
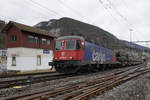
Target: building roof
[(27, 28)]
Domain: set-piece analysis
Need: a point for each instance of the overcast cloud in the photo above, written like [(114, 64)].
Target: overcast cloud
[(115, 16)]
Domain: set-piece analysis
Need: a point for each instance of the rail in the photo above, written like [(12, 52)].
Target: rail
[(85, 89)]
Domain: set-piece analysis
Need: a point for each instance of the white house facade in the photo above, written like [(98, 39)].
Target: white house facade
[(28, 59)]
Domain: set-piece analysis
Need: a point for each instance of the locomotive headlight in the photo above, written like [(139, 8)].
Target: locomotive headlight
[(82, 43), (55, 57), (71, 57)]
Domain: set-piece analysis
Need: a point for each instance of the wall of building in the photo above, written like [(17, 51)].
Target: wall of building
[(13, 31), (26, 53), (26, 58), (26, 43), (22, 39)]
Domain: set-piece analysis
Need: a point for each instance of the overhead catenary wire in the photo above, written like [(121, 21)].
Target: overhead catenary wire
[(35, 5), (124, 2), (49, 10), (44, 7), (8, 18), (131, 26), (108, 9), (112, 7), (75, 11), (101, 2)]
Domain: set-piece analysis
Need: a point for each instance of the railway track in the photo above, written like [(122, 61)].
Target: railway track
[(27, 74), (85, 89), (31, 80)]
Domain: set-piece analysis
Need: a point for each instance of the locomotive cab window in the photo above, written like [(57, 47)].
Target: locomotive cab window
[(70, 44), (58, 45), (78, 44)]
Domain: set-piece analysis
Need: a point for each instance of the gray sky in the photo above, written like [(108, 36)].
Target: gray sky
[(115, 16)]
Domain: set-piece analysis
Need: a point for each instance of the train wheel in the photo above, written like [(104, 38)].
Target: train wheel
[(67, 69), (71, 69)]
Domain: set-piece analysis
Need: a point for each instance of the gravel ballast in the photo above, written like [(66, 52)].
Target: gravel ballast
[(135, 89)]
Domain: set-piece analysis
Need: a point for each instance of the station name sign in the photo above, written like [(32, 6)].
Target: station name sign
[(46, 52)]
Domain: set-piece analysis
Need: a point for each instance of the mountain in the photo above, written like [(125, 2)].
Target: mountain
[(67, 26), (2, 36)]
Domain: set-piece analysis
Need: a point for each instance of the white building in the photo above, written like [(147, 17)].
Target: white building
[(28, 48)]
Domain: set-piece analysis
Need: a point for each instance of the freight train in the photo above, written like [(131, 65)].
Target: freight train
[(73, 54)]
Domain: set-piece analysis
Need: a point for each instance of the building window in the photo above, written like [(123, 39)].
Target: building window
[(38, 60), (58, 45), (78, 46), (31, 39), (13, 38), (45, 41), (37, 40), (14, 61), (48, 42)]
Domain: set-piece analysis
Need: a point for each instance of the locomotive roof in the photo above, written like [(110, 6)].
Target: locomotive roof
[(70, 37)]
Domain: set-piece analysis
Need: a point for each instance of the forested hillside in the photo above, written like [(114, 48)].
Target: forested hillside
[(67, 26)]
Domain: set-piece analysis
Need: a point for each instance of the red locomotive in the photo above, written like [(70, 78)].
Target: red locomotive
[(73, 54)]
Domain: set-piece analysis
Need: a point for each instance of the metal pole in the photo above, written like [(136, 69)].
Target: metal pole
[(130, 35), (130, 41)]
